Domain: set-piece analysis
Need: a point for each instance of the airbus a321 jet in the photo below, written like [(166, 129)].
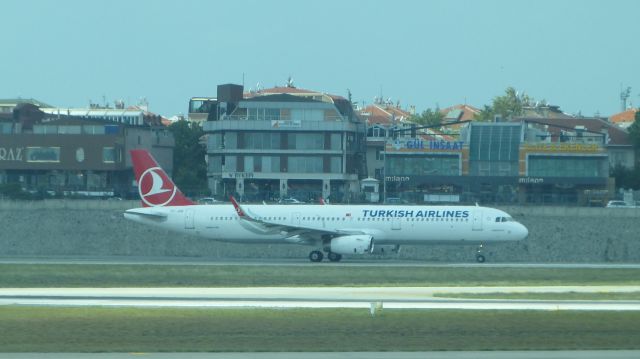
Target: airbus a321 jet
[(336, 230)]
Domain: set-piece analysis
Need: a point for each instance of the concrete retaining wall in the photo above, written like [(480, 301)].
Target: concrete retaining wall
[(97, 228)]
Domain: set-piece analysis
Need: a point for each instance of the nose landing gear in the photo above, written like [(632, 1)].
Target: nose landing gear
[(479, 256)]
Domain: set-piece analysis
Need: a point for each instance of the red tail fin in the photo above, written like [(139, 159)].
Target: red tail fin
[(154, 185)]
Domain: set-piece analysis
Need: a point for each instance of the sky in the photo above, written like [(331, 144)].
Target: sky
[(574, 54)]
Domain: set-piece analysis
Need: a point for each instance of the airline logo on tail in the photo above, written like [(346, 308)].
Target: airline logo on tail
[(153, 189), (154, 185)]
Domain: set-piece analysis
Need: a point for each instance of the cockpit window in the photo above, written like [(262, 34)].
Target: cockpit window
[(504, 219)]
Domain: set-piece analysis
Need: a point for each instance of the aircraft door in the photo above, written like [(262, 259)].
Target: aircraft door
[(477, 221), (395, 223), (189, 219), (295, 218)]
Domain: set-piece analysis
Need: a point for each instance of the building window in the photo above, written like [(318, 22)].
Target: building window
[(270, 164), (306, 141), (43, 154), (336, 164), (93, 130), (69, 130), (230, 163), (109, 155), (379, 155), (543, 166), (261, 140), (304, 164), (336, 141)]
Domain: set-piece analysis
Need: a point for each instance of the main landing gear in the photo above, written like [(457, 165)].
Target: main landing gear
[(479, 256), (317, 256), (334, 257)]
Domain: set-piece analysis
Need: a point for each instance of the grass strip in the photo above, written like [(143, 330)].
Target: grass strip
[(41, 329), (97, 275), (545, 296)]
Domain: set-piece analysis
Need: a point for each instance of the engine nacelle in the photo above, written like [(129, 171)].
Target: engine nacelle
[(354, 244), (386, 249)]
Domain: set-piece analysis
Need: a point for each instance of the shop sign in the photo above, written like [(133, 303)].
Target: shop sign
[(417, 144), (561, 147), (531, 180), (286, 123), (10, 154), (397, 178), (239, 175)]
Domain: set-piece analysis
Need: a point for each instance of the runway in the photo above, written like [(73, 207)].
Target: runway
[(296, 262), (555, 354), (312, 297)]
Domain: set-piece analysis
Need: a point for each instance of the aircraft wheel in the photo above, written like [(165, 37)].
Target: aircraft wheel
[(334, 257), (316, 256), (480, 258)]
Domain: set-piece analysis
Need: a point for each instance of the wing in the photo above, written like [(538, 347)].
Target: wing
[(296, 233)]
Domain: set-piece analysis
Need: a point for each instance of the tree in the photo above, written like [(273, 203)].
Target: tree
[(428, 117), (189, 167), (634, 131), (485, 115), (626, 178), (507, 106)]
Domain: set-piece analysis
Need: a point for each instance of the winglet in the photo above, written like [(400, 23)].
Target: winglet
[(239, 210)]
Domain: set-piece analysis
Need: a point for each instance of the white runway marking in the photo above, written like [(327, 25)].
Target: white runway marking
[(313, 297)]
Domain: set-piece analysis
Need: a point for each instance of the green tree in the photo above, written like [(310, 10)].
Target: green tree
[(507, 106), (485, 115), (626, 178), (189, 167), (634, 131), (429, 117)]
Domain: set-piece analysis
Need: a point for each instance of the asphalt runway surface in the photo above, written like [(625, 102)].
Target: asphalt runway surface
[(313, 297), (559, 354), (119, 260)]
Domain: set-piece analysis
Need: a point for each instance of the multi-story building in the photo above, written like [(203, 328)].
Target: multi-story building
[(555, 159), (283, 142), (78, 151), (382, 121)]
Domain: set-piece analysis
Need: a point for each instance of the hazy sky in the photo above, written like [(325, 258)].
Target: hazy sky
[(575, 54)]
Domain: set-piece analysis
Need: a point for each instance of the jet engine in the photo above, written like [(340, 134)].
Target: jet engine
[(385, 249), (354, 244)]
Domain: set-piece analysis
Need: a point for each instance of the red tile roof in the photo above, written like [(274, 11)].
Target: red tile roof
[(626, 116), (467, 111), (376, 114)]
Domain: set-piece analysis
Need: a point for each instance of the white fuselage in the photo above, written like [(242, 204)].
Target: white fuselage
[(386, 224)]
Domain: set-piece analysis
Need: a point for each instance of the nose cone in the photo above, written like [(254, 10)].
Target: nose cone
[(522, 232)]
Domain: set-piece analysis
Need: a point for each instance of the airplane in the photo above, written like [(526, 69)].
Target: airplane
[(336, 229)]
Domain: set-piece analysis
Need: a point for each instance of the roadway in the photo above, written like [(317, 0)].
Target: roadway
[(314, 297), (295, 262)]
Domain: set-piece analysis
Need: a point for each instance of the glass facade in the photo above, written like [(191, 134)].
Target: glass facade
[(567, 166), (336, 164), (494, 149), (305, 164), (261, 140), (423, 165), (43, 154), (305, 141)]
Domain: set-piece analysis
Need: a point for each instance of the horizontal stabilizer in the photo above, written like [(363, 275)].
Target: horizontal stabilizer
[(147, 213)]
